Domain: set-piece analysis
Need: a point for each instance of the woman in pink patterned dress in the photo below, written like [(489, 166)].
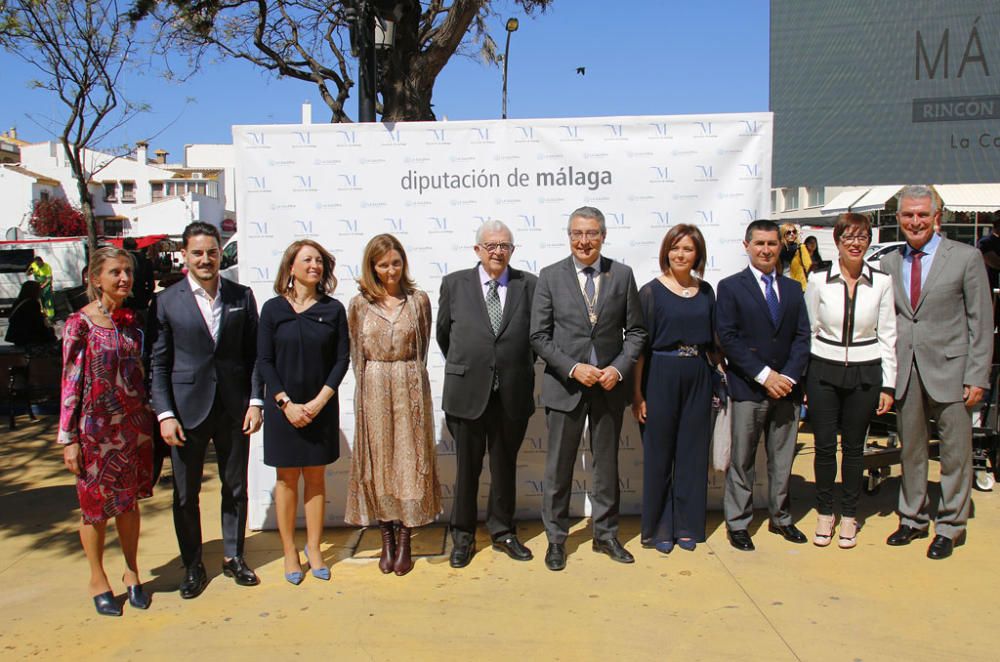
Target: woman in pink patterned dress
[(105, 423)]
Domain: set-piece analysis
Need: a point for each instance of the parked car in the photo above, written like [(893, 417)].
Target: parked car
[(230, 259), (877, 251)]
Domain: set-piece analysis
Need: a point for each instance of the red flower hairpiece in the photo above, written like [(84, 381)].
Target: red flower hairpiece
[(123, 317)]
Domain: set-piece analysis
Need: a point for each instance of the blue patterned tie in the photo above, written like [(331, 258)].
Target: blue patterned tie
[(773, 306)]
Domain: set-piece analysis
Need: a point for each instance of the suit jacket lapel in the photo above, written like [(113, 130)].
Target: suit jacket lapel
[(938, 264), (226, 292), (755, 293), (515, 288), (188, 300)]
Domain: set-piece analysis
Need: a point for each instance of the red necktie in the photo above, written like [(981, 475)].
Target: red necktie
[(915, 273)]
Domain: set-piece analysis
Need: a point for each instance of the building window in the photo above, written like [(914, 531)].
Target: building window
[(110, 191), (157, 190), (112, 226), (791, 198), (43, 196), (128, 191), (815, 196), (774, 201)]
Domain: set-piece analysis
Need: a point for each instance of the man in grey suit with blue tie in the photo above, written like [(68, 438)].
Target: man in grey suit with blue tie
[(489, 382), (944, 345), (586, 324)]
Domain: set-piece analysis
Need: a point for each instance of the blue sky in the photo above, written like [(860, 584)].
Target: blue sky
[(642, 57)]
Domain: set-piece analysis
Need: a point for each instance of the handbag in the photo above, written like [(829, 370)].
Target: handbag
[(722, 431)]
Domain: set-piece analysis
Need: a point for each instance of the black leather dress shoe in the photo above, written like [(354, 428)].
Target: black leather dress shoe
[(513, 548), (195, 581), (614, 549), (555, 556), (788, 532), (904, 535), (740, 539), (461, 555), (138, 598), (238, 569), (107, 605), (942, 546)]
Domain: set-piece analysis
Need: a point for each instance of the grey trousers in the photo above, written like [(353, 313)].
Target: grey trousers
[(779, 421), (955, 429), (565, 432)]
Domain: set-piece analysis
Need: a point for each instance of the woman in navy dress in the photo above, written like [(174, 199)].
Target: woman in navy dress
[(673, 394), (302, 353)]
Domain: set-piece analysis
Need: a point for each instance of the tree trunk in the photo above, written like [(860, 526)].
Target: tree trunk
[(74, 155)]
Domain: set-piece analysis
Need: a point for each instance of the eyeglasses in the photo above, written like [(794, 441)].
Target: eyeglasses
[(493, 248), (576, 235), (854, 239)]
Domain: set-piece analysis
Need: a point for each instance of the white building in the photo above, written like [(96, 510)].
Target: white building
[(132, 196)]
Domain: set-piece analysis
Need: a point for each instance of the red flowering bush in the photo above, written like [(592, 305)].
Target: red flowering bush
[(56, 218)]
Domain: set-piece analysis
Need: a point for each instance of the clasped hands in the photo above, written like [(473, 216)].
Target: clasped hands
[(777, 385), (301, 415), (589, 375)]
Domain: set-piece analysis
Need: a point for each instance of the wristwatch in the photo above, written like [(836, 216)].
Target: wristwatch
[(282, 402)]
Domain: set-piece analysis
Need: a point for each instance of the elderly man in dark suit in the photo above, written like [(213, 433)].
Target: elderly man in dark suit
[(482, 329), (944, 344), (763, 326), (586, 323), (205, 388)]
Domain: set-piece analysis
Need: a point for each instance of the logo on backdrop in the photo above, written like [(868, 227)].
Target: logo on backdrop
[(258, 230), (660, 131), (705, 173), (750, 171), (348, 227), (661, 175), (257, 184), (348, 137), (704, 130)]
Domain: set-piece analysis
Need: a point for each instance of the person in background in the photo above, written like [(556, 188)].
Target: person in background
[(105, 423), (672, 393), (142, 290), (302, 355), (41, 271), (852, 369), (812, 246), (989, 246), (27, 325), (394, 477), (795, 259)]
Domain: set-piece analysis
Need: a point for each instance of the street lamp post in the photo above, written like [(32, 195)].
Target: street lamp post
[(511, 27)]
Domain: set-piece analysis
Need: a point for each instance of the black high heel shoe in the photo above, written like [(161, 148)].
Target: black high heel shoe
[(138, 598), (107, 605)]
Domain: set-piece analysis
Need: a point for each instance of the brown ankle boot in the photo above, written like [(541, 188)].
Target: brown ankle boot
[(403, 563), (385, 561)]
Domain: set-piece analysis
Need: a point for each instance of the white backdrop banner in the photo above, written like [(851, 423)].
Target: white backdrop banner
[(433, 184)]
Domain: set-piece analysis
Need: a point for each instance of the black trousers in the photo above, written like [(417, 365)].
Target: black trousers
[(852, 408), (502, 436), (232, 450)]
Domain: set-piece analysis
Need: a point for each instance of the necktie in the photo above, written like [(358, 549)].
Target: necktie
[(773, 306), (590, 290), (915, 277), (495, 311), (493, 306)]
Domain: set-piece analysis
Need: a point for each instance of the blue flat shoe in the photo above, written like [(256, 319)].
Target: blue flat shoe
[(687, 544), (319, 573), (664, 546)]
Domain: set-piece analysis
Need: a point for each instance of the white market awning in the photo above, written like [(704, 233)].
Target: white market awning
[(843, 201), (970, 197), (875, 198)]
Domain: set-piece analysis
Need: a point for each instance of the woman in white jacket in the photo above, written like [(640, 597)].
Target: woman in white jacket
[(852, 369)]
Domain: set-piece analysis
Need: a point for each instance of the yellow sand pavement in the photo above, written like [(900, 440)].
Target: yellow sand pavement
[(782, 602)]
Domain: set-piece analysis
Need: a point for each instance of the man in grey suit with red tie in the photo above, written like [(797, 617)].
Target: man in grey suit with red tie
[(944, 345), (205, 388), (586, 323), (482, 329)]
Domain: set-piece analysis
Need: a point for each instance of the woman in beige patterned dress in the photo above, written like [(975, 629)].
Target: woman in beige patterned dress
[(394, 466)]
